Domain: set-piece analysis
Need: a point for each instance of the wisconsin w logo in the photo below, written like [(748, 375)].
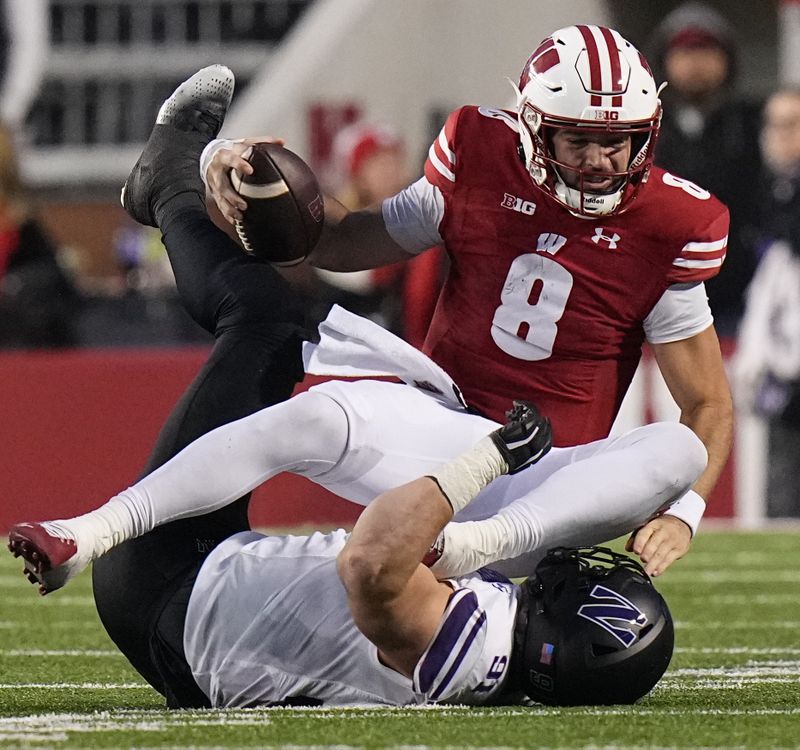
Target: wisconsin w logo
[(615, 613)]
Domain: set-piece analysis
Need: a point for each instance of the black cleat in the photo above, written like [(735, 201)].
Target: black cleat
[(186, 123), (526, 437)]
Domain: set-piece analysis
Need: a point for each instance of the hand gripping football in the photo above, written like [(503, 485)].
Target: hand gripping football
[(285, 211)]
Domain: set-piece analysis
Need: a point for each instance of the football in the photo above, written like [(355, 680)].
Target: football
[(285, 211)]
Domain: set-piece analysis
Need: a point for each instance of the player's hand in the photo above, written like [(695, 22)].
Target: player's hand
[(218, 175), (660, 542)]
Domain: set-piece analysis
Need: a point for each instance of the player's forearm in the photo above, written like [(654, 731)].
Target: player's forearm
[(355, 240), (390, 538), (712, 422), (398, 528)]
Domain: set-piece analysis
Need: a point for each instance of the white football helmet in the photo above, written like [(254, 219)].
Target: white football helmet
[(587, 77)]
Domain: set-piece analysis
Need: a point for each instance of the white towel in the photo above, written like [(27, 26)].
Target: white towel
[(352, 346)]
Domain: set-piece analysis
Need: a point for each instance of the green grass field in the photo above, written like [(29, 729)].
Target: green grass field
[(734, 680)]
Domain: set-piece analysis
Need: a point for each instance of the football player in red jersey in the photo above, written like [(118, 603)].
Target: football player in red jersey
[(568, 251)]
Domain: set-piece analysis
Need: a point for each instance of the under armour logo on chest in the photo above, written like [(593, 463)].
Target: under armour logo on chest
[(599, 235)]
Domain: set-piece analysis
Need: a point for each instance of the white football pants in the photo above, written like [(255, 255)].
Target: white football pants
[(361, 438)]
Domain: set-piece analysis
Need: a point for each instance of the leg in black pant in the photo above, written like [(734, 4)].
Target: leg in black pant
[(142, 586), (255, 362)]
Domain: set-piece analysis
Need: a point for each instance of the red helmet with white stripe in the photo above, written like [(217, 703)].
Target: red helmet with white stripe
[(587, 77)]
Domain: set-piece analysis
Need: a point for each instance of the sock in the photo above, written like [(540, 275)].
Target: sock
[(122, 517), (472, 545), (306, 435)]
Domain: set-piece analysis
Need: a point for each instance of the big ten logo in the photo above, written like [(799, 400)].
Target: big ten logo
[(607, 115), (517, 204)]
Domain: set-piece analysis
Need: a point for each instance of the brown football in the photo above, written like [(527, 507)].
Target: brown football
[(285, 211)]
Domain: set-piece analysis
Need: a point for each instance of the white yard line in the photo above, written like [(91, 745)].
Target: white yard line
[(738, 684), (749, 558), (52, 624), (739, 625), (732, 650), (59, 652), (727, 599), (75, 686), (790, 668), (260, 715), (686, 575), (53, 600)]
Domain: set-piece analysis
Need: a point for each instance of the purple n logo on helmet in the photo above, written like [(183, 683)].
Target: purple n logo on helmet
[(615, 614)]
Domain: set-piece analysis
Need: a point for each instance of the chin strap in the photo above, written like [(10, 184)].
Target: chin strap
[(595, 204)]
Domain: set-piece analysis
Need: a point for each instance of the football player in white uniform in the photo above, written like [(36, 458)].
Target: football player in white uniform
[(178, 574), (338, 619)]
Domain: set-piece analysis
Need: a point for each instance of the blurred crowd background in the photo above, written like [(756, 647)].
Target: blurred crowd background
[(360, 88)]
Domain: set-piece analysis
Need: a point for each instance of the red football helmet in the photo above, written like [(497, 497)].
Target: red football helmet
[(587, 77)]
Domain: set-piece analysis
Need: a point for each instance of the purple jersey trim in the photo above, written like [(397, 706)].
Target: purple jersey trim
[(470, 639), (463, 607), (491, 576)]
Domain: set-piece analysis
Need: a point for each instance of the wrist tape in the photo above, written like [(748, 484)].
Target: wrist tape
[(689, 508), (462, 479), (208, 155)]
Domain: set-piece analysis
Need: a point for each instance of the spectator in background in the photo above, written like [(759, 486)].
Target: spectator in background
[(37, 301), (768, 359), (371, 165), (708, 136)]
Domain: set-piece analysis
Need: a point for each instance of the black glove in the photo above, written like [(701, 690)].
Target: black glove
[(525, 438)]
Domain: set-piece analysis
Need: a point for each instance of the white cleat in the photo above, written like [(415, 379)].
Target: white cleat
[(205, 96), (186, 122)]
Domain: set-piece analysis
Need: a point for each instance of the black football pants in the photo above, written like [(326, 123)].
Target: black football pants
[(142, 587)]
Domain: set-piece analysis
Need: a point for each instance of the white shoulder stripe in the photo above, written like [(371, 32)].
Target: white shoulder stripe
[(446, 150), (705, 247), (441, 168), (687, 263), (499, 114)]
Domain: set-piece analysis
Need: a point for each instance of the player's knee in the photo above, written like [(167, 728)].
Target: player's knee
[(240, 292), (255, 295), (315, 429), (679, 455)]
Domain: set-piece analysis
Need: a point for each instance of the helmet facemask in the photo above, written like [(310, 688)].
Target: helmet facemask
[(536, 132)]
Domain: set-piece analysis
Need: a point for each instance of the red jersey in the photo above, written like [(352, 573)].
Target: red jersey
[(543, 305)]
